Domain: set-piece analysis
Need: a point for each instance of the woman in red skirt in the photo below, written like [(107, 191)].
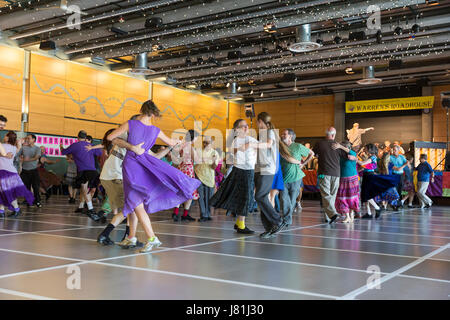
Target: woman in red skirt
[(187, 156)]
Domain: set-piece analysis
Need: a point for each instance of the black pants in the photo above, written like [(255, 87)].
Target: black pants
[(400, 186), (30, 179), (269, 216)]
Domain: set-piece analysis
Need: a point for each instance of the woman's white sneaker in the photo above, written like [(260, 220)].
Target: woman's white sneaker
[(150, 245)]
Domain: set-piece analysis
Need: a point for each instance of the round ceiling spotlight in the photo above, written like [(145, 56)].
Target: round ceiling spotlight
[(337, 39), (304, 43), (379, 36), (369, 76), (349, 70), (141, 66), (398, 31), (270, 27)]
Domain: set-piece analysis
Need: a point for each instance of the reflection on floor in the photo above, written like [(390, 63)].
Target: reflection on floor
[(52, 253)]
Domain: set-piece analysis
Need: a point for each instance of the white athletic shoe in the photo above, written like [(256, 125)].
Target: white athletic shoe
[(128, 243), (150, 245)]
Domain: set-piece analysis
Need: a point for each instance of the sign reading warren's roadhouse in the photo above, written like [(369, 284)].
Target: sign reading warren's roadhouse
[(389, 104)]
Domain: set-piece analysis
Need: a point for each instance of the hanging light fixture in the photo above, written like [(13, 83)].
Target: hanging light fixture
[(232, 92), (295, 85), (304, 43), (141, 65), (369, 76)]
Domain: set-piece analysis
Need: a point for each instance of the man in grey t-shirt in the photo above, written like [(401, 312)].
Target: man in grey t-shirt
[(30, 155)]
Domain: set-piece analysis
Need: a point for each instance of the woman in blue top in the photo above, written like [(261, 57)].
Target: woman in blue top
[(408, 182)]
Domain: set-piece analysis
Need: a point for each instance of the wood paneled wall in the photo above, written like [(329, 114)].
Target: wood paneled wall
[(60, 89), (180, 109), (11, 85), (439, 115), (308, 117)]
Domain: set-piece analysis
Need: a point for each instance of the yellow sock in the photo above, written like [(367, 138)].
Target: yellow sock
[(240, 224)]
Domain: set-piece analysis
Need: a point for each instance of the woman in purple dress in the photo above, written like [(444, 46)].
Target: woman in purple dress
[(11, 185), (150, 185)]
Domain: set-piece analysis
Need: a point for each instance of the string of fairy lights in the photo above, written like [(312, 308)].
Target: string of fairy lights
[(190, 27)]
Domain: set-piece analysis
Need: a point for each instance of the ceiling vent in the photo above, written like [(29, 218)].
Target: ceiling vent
[(369, 76), (141, 65), (304, 43)]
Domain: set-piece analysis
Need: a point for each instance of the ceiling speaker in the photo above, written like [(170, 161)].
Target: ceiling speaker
[(234, 55), (47, 45), (395, 64), (153, 23), (357, 36)]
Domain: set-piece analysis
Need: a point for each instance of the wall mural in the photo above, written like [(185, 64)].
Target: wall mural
[(10, 78), (183, 120), (82, 102)]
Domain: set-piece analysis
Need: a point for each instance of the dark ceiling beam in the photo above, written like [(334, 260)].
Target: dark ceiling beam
[(314, 14), (370, 50), (238, 18), (103, 16)]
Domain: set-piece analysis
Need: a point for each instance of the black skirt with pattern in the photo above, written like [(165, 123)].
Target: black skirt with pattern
[(236, 192)]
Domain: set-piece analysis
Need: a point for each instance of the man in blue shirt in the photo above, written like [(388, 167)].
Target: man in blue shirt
[(398, 162), (424, 171)]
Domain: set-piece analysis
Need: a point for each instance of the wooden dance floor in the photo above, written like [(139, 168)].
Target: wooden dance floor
[(311, 260)]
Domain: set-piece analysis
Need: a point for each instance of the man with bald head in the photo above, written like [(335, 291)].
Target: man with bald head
[(329, 172)]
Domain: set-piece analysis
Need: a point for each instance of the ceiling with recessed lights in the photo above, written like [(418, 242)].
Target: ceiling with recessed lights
[(282, 48)]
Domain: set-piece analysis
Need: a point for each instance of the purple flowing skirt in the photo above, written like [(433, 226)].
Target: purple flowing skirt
[(11, 188), (155, 183)]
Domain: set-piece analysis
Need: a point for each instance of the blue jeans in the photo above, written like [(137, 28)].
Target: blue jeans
[(289, 199)]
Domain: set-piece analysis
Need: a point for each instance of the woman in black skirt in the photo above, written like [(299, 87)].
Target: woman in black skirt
[(236, 193)]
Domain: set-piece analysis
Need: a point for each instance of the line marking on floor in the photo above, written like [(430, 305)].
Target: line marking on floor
[(24, 295), (353, 294)]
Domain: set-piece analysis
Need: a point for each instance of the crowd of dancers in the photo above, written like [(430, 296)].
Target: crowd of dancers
[(263, 172)]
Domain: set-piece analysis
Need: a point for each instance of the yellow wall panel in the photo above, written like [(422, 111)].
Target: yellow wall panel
[(10, 78), (127, 114), (85, 111), (110, 81), (136, 87), (11, 83), (107, 96), (47, 66), (48, 86), (80, 91), (72, 127), (134, 103), (46, 105), (110, 110), (11, 99), (81, 74), (101, 128), (439, 115), (11, 58), (49, 123), (14, 118)]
